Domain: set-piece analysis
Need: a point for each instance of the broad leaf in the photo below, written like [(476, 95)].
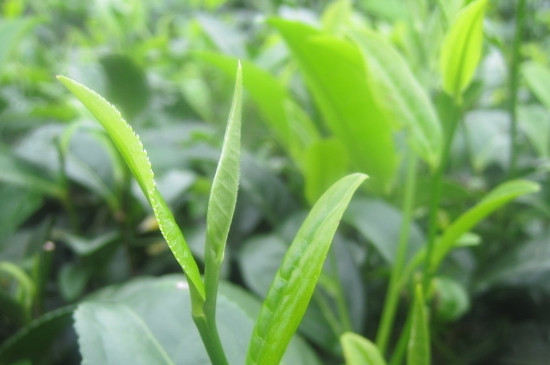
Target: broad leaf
[(33, 341), (131, 149), (155, 308), (461, 49), (538, 80), (339, 82), (125, 333), (403, 94), (360, 351), (297, 276), (376, 221), (418, 349)]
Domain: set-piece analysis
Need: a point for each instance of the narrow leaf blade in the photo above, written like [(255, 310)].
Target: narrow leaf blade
[(403, 94), (360, 351), (135, 156), (293, 286), (418, 352), (223, 196), (461, 49), (499, 196)]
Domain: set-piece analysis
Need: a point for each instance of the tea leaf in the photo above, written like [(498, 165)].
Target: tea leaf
[(325, 162), (418, 351), (293, 285), (294, 132), (223, 196), (116, 318), (336, 76), (403, 94), (131, 149), (499, 196), (360, 351), (538, 80), (158, 304), (461, 49)]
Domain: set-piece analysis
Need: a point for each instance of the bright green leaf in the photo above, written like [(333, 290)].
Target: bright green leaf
[(403, 94), (131, 149), (223, 196), (293, 286), (339, 82), (360, 351), (325, 162), (461, 49), (418, 349)]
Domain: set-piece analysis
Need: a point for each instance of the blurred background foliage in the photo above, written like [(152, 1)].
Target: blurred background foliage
[(72, 220)]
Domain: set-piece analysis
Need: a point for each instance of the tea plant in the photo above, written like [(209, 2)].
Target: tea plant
[(441, 256)]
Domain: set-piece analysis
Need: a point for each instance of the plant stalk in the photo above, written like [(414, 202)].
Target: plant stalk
[(435, 201), (392, 296), (513, 85), (206, 321), (204, 316)]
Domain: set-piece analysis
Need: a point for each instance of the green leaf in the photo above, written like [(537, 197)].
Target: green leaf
[(126, 84), (538, 80), (337, 16), (325, 162), (10, 31), (291, 126), (403, 94), (126, 334), (360, 351), (461, 49), (335, 73), (158, 304), (293, 285), (131, 149), (33, 341), (499, 196), (19, 172), (223, 196), (17, 206), (534, 121), (526, 264), (376, 220), (418, 349), (452, 299)]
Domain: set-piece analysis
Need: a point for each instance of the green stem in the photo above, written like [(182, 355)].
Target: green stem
[(340, 295), (66, 199), (437, 184), (401, 347), (513, 85), (392, 296), (206, 320)]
